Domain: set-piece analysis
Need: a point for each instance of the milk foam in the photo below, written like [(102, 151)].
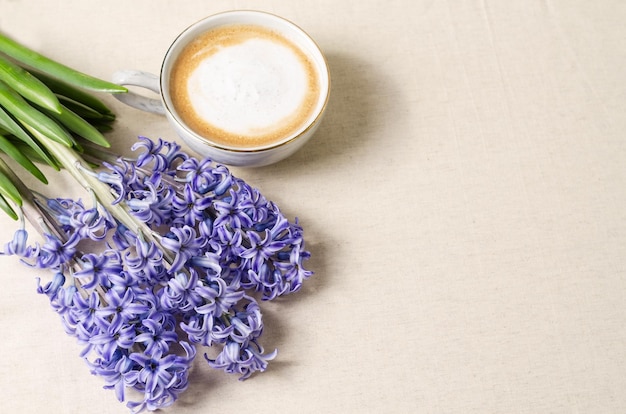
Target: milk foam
[(244, 86), (249, 87)]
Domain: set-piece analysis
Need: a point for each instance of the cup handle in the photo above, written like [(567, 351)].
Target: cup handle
[(143, 80)]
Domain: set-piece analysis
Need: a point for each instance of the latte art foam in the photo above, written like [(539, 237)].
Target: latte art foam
[(244, 86)]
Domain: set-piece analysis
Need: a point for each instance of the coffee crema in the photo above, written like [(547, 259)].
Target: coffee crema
[(244, 86)]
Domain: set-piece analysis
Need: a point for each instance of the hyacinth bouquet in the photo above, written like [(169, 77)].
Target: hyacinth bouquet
[(170, 254)]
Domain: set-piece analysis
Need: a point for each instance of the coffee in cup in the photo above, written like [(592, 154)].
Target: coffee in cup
[(244, 88), (244, 85)]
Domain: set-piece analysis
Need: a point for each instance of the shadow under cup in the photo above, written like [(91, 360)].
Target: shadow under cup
[(241, 155)]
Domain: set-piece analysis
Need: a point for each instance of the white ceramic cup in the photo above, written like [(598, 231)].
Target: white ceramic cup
[(207, 146)]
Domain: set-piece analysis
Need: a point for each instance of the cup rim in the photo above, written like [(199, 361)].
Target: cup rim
[(205, 141)]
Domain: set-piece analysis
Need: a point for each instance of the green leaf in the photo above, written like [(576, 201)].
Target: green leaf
[(79, 126), (73, 93), (102, 127), (6, 207), (42, 138), (34, 155), (8, 189), (15, 129), (55, 69), (80, 109), (12, 151), (20, 109), (28, 86)]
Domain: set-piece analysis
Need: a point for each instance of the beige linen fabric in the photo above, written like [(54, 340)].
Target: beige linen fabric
[(464, 203)]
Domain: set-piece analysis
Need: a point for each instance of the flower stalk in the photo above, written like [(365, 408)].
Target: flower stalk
[(75, 165)]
